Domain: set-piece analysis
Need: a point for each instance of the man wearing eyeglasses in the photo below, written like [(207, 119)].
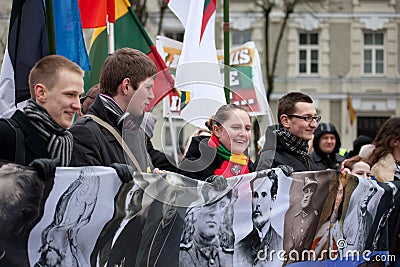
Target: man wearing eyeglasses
[(287, 143)]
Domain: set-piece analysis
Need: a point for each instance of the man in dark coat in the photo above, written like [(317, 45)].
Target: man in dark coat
[(326, 144), (287, 143), (126, 83), (40, 132)]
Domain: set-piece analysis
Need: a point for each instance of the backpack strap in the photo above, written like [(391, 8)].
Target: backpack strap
[(19, 141)]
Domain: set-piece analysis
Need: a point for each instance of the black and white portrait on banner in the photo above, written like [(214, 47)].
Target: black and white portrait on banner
[(263, 238), (120, 238), (75, 212), (208, 236), (302, 218), (360, 214), (332, 217)]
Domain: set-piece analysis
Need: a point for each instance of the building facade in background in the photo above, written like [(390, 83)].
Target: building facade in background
[(330, 50)]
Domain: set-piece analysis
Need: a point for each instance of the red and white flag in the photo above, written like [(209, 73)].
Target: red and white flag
[(198, 71)]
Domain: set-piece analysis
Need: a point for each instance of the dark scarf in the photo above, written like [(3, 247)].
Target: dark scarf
[(112, 106), (59, 139), (294, 143), (233, 164), (125, 119)]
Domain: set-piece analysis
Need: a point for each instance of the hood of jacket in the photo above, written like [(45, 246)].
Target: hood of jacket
[(324, 128)]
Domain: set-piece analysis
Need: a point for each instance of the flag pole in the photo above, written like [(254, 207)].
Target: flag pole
[(110, 37), (50, 27), (226, 28), (173, 138)]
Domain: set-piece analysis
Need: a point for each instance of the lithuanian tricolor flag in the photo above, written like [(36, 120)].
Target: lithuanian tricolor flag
[(128, 32)]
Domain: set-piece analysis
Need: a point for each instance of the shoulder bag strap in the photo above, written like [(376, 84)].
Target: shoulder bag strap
[(118, 137)]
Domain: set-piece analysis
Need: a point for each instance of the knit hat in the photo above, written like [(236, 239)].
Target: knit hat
[(324, 128), (149, 120)]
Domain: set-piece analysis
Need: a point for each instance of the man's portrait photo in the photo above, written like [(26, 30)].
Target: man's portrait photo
[(255, 249)]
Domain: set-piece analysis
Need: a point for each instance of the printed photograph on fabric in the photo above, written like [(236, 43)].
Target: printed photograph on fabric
[(303, 215), (120, 238), (256, 247), (361, 213), (209, 228), (332, 217), (76, 210), (73, 210)]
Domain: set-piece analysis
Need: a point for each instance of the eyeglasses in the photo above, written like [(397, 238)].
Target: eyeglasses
[(307, 118)]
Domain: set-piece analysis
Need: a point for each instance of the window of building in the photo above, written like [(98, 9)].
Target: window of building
[(175, 35), (374, 53), (369, 126), (309, 53), (240, 37)]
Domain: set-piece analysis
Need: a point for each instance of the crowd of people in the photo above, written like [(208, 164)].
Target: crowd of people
[(45, 131)]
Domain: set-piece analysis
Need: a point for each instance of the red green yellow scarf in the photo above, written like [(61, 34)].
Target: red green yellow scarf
[(233, 165)]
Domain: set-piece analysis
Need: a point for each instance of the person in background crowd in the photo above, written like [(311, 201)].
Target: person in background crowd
[(357, 166), (357, 144), (159, 159), (222, 154), (197, 132), (286, 143), (326, 145), (366, 150), (385, 158), (89, 98)]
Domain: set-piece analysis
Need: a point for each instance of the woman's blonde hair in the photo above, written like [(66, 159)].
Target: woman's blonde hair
[(222, 115)]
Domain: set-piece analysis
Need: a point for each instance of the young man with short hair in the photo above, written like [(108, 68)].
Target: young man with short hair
[(287, 143), (126, 83), (40, 130)]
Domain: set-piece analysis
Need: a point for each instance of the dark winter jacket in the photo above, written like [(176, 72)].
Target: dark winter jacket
[(322, 160), (202, 160), (96, 146), (34, 145), (276, 152), (159, 159)]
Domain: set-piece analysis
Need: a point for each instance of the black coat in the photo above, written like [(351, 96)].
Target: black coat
[(34, 145), (96, 146), (159, 159), (324, 163), (276, 152), (202, 160)]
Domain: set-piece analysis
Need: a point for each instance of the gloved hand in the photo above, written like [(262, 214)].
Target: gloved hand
[(286, 169), (218, 182), (124, 171), (46, 168)]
